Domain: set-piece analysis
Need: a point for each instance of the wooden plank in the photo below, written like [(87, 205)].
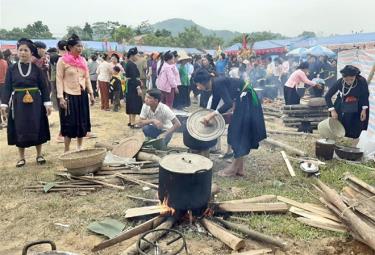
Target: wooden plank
[(288, 165), (359, 182), (234, 242), (143, 211), (146, 200), (137, 181), (99, 182), (253, 207), (259, 199), (286, 147), (254, 252), (318, 224), (311, 216), (294, 203), (148, 225), (360, 203)]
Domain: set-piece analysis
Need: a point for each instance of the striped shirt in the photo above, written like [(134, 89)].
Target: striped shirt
[(162, 113)]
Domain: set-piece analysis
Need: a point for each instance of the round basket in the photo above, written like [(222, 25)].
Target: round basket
[(84, 161)]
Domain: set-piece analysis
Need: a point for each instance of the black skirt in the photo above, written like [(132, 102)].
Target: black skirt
[(27, 123), (247, 127), (133, 101), (75, 120), (182, 99), (291, 96)]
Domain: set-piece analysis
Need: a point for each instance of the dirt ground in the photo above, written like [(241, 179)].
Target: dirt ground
[(26, 216)]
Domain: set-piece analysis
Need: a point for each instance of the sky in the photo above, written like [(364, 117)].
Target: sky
[(288, 17)]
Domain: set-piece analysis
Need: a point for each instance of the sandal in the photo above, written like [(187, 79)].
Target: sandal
[(40, 160), (21, 163)]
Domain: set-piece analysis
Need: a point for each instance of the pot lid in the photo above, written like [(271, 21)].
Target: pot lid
[(202, 132), (185, 163), (326, 141), (309, 167), (128, 147)]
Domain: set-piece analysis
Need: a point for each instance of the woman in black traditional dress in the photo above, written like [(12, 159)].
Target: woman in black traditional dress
[(74, 90), (351, 107), (133, 88), (26, 90), (247, 127)]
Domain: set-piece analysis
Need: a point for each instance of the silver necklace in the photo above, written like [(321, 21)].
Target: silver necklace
[(20, 70), (349, 89)]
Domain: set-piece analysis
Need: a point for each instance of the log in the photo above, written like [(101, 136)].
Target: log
[(253, 207), (148, 157), (360, 183), (234, 242), (253, 234), (273, 114), (325, 214), (355, 223), (302, 107), (311, 216), (288, 165), (286, 147), (254, 252), (148, 225), (152, 237), (259, 199), (318, 224), (295, 119), (109, 185), (137, 181), (270, 109), (146, 200)]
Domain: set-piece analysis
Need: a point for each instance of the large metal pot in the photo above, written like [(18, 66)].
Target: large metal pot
[(185, 182), (196, 144), (324, 149), (52, 252)]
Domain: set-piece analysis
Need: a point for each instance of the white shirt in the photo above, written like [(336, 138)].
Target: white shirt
[(162, 113), (104, 71)]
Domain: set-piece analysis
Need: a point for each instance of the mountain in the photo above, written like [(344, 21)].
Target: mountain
[(176, 26)]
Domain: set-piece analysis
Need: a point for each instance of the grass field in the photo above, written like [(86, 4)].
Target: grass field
[(26, 216)]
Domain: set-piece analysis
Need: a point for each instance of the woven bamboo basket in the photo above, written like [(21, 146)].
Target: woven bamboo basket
[(84, 161)]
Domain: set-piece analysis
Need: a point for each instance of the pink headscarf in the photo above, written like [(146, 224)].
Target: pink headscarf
[(78, 61)]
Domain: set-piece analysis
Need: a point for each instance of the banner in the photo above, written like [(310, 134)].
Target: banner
[(364, 60)]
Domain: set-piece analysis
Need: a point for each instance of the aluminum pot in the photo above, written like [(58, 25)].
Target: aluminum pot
[(53, 250), (185, 181), (196, 144), (324, 149)]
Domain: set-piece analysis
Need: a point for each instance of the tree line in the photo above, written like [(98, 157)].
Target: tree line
[(144, 34)]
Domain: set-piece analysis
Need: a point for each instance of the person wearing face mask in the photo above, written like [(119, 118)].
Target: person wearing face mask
[(351, 107), (26, 90), (167, 80), (74, 91)]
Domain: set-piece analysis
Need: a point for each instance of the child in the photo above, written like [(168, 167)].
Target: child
[(115, 87)]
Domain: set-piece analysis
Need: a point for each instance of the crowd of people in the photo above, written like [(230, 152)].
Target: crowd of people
[(152, 87)]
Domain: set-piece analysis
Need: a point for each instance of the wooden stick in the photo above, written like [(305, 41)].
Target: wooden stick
[(356, 224), (359, 182), (253, 234), (148, 156), (254, 252), (148, 225), (276, 132), (66, 186), (259, 199), (99, 182), (253, 207), (61, 189), (325, 225), (143, 211), (285, 147), (288, 165), (311, 216), (152, 237), (144, 199), (137, 181), (234, 242)]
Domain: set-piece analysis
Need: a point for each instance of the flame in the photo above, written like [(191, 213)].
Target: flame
[(208, 212), (167, 210)]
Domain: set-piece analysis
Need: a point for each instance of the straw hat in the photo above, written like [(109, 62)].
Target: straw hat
[(182, 55)]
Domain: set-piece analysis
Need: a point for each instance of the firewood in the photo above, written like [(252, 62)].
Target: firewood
[(360, 203), (146, 200), (148, 225), (276, 132), (259, 199), (359, 182), (214, 189), (137, 181), (147, 156), (288, 164), (286, 147), (152, 237), (254, 252), (253, 234), (99, 182), (312, 216), (318, 212), (273, 114), (355, 223), (143, 211), (326, 226), (234, 242), (253, 207), (61, 189)]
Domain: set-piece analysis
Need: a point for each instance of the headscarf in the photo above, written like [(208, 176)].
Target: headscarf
[(70, 59), (132, 52), (30, 44), (350, 70)]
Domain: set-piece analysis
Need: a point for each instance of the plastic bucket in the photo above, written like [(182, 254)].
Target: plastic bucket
[(331, 128)]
